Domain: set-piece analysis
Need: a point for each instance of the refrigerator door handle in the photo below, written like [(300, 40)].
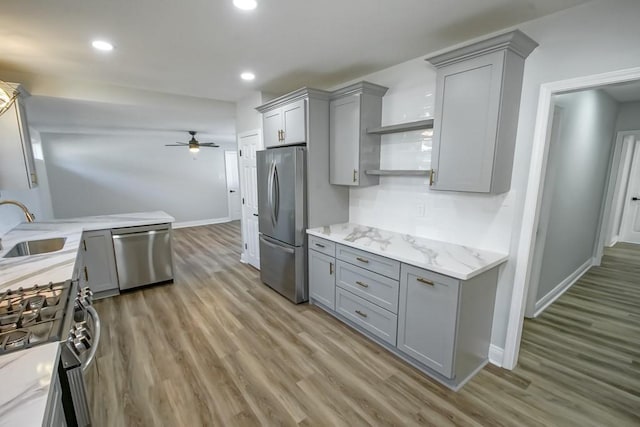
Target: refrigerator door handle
[(276, 185), (270, 192), (274, 245)]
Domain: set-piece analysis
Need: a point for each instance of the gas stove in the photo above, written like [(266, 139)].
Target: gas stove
[(36, 315)]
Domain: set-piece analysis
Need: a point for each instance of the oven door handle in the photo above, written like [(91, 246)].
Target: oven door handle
[(96, 338)]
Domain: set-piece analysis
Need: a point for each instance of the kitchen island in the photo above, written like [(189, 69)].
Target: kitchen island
[(58, 266), (427, 301), (27, 375)]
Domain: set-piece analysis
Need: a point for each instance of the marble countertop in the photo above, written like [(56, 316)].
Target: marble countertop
[(58, 266), (461, 262), (26, 378)]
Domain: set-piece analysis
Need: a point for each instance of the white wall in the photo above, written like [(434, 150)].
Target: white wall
[(628, 116), (93, 174), (247, 117), (580, 162), (596, 37)]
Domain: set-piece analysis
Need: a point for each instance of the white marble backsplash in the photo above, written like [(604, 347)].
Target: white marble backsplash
[(461, 262)]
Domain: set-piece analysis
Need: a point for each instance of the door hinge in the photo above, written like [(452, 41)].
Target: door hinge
[(240, 153), (245, 246), (243, 200)]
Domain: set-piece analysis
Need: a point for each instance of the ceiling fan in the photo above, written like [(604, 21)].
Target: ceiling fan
[(193, 144)]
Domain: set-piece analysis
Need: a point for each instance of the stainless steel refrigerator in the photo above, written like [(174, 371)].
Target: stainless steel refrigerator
[(283, 220)]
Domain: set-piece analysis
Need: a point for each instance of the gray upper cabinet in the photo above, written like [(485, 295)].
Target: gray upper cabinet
[(285, 125), (322, 279), (17, 165), (353, 151), (477, 101)]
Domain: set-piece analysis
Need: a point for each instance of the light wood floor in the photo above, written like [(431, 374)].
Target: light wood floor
[(219, 348)]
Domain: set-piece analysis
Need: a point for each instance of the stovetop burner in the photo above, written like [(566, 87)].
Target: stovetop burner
[(32, 315)]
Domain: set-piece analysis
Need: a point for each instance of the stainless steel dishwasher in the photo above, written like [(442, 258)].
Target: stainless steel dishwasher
[(143, 255)]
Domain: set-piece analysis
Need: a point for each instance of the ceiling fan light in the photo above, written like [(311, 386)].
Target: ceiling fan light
[(194, 149)]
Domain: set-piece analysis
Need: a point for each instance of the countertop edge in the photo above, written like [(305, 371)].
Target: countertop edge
[(454, 274)]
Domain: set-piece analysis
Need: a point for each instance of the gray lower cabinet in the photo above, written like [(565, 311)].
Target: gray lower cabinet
[(54, 415), (439, 324), (99, 271), (427, 318), (322, 278)]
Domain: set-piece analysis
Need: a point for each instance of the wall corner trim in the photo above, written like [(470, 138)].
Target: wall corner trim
[(495, 355)]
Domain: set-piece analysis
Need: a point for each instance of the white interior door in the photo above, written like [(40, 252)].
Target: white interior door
[(248, 144), (233, 184), (630, 226)]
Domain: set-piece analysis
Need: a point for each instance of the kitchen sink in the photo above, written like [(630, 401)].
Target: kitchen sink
[(34, 247)]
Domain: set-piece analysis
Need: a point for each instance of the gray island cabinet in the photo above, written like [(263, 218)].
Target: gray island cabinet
[(438, 323), (477, 101)]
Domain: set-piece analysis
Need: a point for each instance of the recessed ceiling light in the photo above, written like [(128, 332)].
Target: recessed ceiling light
[(102, 45), (245, 4), (247, 75)]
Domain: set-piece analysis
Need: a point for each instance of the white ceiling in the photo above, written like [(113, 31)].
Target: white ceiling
[(199, 47)]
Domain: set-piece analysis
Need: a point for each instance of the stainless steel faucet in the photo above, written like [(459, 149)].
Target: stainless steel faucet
[(30, 217)]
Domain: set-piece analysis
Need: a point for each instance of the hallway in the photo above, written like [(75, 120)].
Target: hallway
[(589, 339)]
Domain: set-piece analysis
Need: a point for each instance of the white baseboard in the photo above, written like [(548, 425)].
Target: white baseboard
[(496, 354), (185, 224), (562, 287)]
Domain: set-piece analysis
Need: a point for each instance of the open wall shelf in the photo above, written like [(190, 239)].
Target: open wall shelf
[(402, 127)]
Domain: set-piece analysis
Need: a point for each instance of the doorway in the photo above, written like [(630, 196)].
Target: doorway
[(248, 144), (629, 223), (233, 184), (533, 198)]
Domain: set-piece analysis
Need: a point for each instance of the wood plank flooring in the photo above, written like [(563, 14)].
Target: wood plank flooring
[(218, 347)]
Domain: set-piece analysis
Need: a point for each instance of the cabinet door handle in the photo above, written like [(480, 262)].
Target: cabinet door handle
[(361, 314), (366, 261), (432, 177), (330, 268), (364, 285), (319, 245), (425, 281), (84, 245), (282, 134), (86, 274), (34, 178), (355, 173)]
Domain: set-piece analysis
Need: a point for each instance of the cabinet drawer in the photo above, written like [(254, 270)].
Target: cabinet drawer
[(321, 245), (376, 320), (377, 264), (373, 287)]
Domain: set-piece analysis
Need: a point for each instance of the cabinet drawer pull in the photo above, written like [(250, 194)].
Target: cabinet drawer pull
[(425, 281), (364, 285), (366, 261), (361, 314), (84, 244), (330, 268), (355, 173), (319, 245), (86, 274)]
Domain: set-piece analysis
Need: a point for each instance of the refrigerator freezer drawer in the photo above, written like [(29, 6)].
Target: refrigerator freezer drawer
[(282, 268)]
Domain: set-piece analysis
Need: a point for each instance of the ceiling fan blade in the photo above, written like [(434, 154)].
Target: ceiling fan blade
[(178, 144), (209, 144)]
